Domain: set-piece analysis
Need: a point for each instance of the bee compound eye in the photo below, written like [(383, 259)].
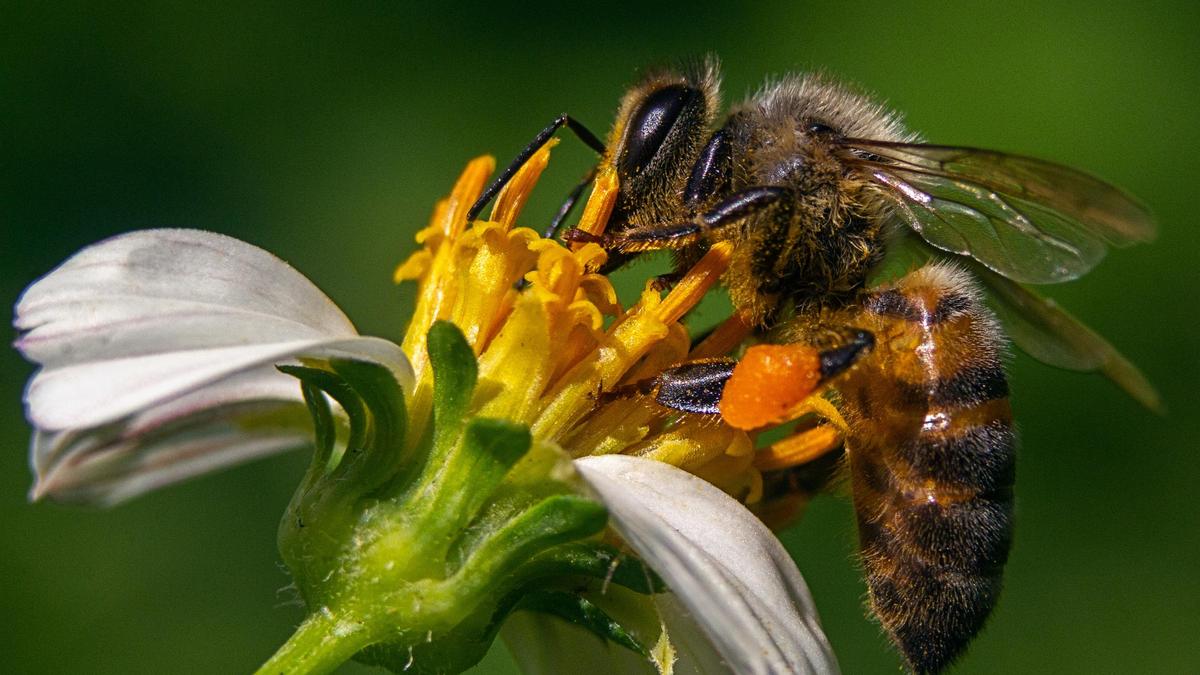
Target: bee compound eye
[(651, 123)]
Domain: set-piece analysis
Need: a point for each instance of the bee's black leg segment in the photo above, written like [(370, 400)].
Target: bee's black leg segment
[(536, 144), (641, 387), (837, 360), (694, 387), (572, 199), (691, 387), (678, 235), (743, 203)]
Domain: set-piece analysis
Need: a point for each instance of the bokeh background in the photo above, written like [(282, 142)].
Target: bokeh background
[(325, 135)]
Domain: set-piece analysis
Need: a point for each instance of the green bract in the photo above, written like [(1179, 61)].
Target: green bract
[(409, 553)]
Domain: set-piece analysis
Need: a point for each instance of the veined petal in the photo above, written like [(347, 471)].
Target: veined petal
[(95, 393), (247, 416), (157, 353), (168, 290), (725, 567)]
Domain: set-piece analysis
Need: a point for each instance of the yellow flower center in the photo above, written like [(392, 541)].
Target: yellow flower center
[(548, 353)]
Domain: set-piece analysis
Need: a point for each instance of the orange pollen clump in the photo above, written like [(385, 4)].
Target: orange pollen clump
[(768, 383)]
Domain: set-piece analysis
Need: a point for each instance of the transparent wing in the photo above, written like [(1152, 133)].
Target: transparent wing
[(1049, 333), (1029, 220), (1037, 325)]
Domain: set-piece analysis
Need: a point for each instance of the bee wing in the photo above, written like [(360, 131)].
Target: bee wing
[(1032, 221), (1037, 325)]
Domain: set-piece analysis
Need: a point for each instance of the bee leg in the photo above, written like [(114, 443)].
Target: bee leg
[(653, 238), (777, 383), (569, 204), (692, 386), (711, 172), (536, 144), (766, 387), (729, 210)]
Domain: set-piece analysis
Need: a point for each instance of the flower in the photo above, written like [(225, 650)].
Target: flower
[(158, 353)]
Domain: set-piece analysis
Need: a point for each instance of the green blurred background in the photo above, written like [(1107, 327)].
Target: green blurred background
[(326, 134)]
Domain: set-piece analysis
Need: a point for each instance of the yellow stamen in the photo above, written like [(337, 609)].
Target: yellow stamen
[(545, 357), (512, 198), (724, 339), (696, 283), (600, 205)]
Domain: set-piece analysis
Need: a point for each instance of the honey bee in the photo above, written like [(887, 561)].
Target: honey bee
[(825, 195)]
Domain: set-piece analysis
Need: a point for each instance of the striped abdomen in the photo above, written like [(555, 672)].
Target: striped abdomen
[(931, 453)]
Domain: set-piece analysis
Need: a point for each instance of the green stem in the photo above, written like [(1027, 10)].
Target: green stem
[(323, 642)]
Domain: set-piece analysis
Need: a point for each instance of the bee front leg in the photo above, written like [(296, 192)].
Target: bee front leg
[(568, 204), (536, 144), (729, 210)]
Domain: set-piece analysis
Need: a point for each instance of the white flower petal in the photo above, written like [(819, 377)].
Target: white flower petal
[(155, 290), (695, 652), (723, 564), (166, 444), (157, 353), (91, 394)]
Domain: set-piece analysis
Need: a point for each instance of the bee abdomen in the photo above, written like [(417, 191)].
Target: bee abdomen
[(935, 542), (932, 455)]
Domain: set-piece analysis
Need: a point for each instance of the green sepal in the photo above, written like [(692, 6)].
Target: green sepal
[(582, 612), (454, 375), (380, 394), (341, 391), (382, 454), (410, 552), (600, 561), (324, 428), (553, 521), (483, 455)]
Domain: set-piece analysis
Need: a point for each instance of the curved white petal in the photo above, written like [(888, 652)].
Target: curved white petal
[(98, 392), (725, 567), (134, 293), (157, 353)]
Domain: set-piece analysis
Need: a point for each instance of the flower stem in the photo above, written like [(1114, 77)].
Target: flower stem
[(323, 642)]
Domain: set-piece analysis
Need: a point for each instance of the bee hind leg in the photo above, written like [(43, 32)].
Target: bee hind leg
[(690, 387), (766, 387)]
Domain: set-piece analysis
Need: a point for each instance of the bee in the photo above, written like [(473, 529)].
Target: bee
[(864, 259)]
